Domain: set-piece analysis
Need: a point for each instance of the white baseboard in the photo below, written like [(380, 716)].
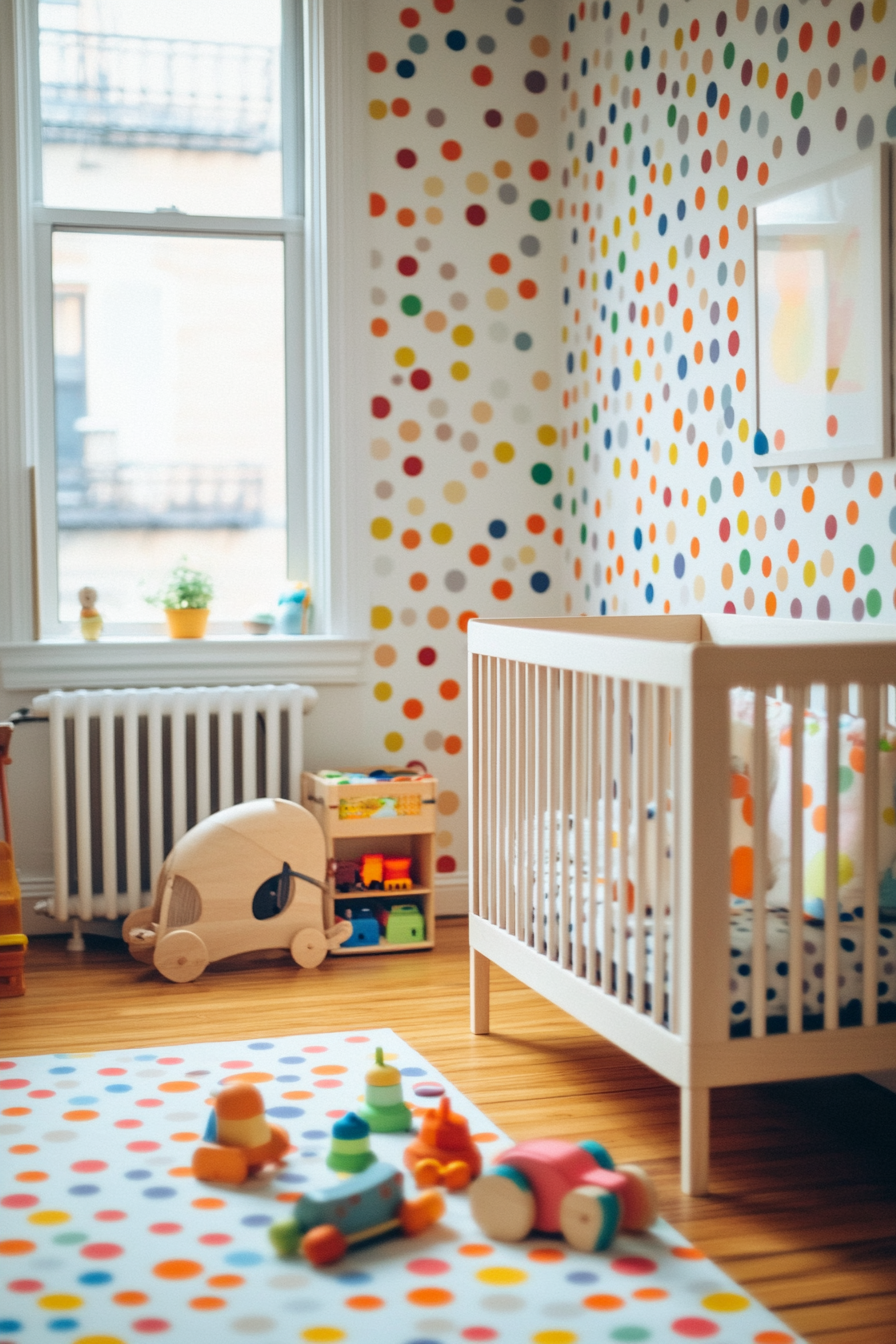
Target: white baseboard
[(452, 894)]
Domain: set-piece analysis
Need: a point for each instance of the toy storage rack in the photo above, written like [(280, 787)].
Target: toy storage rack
[(349, 838)]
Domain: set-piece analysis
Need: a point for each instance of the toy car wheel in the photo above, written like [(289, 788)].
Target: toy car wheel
[(308, 948), (324, 1245), (503, 1204), (181, 956), (589, 1217)]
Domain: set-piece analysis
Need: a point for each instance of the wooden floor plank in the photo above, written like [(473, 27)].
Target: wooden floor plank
[(803, 1202)]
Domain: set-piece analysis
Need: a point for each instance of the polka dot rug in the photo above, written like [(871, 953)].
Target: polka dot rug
[(107, 1238)]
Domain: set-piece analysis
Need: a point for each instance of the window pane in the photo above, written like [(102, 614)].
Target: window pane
[(161, 104), (170, 433)]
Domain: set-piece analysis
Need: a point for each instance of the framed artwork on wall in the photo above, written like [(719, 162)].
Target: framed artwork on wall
[(823, 316)]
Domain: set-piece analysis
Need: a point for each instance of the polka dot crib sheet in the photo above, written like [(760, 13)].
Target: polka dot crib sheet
[(777, 970), (107, 1238)]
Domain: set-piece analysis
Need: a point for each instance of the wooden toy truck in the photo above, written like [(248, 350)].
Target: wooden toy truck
[(248, 878)]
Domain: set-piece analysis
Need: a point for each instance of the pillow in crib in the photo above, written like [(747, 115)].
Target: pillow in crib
[(777, 720)]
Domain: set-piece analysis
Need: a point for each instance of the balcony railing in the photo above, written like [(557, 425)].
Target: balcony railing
[(159, 495), (110, 89)]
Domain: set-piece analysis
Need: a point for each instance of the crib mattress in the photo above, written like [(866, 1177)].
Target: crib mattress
[(777, 970)]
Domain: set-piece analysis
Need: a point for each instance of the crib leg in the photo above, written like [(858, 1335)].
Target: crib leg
[(695, 1140), (479, 973)]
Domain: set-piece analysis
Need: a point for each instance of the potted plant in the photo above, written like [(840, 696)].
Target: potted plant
[(185, 600)]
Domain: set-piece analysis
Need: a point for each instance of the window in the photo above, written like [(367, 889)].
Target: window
[(166, 231), (181, 202)]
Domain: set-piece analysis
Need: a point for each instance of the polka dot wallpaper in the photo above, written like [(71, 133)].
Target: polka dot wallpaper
[(465, 514), (673, 115), (561, 371)]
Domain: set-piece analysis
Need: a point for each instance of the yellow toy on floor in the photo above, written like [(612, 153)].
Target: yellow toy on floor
[(246, 879)]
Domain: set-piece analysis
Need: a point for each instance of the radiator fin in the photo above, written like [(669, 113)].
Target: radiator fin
[(133, 770)]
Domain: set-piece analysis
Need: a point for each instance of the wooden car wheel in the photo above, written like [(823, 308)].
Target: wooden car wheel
[(308, 948), (181, 956)]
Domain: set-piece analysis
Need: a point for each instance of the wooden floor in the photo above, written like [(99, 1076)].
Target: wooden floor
[(803, 1203)]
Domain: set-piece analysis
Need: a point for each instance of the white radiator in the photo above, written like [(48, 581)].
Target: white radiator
[(133, 770)]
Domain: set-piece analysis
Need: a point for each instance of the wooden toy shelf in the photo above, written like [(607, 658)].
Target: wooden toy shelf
[(349, 834)]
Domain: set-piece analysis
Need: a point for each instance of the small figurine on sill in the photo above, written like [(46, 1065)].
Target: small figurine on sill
[(293, 611), (91, 620)]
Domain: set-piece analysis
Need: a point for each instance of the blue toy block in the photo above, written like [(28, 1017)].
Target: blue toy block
[(365, 929)]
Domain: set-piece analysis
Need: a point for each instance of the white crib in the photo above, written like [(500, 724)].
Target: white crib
[(586, 720)]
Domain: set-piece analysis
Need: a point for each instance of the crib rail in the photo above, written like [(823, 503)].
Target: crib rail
[(600, 810), (573, 793)]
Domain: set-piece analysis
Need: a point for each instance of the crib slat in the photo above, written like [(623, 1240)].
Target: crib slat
[(606, 956), (541, 813), (676, 932), (594, 741), (620, 901), (499, 780), (553, 808), (564, 837), (797, 698), (660, 771), (507, 834), (529, 813), (473, 771), (832, 864), (641, 733), (579, 796), (870, 713), (760, 859)]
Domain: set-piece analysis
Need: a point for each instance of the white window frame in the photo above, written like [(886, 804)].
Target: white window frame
[(325, 409)]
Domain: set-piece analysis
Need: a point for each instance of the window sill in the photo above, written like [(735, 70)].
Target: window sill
[(317, 660)]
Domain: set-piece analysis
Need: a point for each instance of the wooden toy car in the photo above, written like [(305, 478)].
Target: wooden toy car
[(247, 878), (548, 1185), (327, 1222)]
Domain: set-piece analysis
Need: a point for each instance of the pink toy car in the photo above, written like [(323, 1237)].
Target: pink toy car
[(548, 1185)]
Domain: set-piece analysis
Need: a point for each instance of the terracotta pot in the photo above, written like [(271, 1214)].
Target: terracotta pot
[(186, 622)]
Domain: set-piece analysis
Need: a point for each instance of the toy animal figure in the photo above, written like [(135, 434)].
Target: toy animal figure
[(548, 1185), (91, 620), (443, 1153), (239, 1140), (328, 1222)]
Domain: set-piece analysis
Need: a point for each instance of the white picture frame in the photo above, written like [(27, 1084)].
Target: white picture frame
[(822, 270)]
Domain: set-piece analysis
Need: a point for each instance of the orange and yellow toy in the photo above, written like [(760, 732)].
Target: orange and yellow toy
[(443, 1152), (239, 1140)]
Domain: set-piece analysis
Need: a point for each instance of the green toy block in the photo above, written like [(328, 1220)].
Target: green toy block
[(404, 925)]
